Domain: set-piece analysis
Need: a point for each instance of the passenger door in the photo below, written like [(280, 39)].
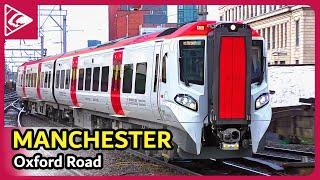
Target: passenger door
[(155, 82), (163, 82)]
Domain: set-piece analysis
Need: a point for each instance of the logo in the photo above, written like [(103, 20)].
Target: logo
[(14, 20)]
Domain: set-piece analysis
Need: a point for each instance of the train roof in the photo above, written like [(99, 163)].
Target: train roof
[(191, 29)]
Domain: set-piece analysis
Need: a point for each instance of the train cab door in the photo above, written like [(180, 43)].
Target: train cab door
[(155, 82), (163, 82)]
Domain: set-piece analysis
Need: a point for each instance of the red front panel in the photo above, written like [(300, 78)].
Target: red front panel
[(116, 79), (38, 81), (73, 82), (232, 78)]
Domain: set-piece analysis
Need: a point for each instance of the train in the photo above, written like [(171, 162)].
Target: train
[(205, 81)]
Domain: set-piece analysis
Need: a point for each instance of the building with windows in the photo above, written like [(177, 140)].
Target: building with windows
[(125, 20), (289, 30), (187, 13)]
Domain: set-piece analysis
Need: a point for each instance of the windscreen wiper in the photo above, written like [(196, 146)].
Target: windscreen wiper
[(186, 82), (262, 71)]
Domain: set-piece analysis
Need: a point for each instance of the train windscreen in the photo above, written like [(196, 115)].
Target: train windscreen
[(257, 61), (192, 61)]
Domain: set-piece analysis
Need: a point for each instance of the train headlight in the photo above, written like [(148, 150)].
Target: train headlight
[(186, 101), (233, 27), (262, 100)]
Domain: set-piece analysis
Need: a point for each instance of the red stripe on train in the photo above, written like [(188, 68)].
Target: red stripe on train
[(24, 81), (232, 78), (38, 81), (115, 86), (73, 82)]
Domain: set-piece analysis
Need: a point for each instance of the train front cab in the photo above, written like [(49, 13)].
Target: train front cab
[(239, 112)]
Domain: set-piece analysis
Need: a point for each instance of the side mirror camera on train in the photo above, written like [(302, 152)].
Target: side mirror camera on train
[(186, 101), (272, 92)]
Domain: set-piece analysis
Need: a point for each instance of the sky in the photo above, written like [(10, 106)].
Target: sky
[(84, 22)]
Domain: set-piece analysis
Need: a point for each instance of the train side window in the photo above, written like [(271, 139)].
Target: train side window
[(42, 80), (81, 76), (49, 79), (46, 80), (67, 78), (35, 79), (140, 82), (96, 74), (88, 79), (63, 74), (57, 78), (31, 80), (127, 78), (105, 78), (164, 68), (156, 74), (27, 80)]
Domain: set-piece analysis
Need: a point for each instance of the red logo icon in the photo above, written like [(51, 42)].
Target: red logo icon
[(14, 19)]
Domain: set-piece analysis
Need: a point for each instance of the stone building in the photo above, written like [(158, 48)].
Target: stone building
[(289, 30)]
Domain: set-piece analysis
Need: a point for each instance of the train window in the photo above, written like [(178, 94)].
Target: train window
[(164, 68), (81, 76), (27, 79), (57, 78), (67, 78), (88, 79), (192, 61), (257, 61), (63, 74), (105, 78), (127, 78), (46, 80), (32, 80), (35, 79), (156, 74), (96, 74), (49, 79), (140, 82), (42, 80)]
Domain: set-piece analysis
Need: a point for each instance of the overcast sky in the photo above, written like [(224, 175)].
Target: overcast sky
[(84, 22)]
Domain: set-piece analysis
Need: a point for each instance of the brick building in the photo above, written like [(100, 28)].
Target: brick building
[(288, 30), (125, 20)]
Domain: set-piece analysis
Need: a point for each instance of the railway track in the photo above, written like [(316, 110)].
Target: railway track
[(285, 150), (13, 114), (286, 155)]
